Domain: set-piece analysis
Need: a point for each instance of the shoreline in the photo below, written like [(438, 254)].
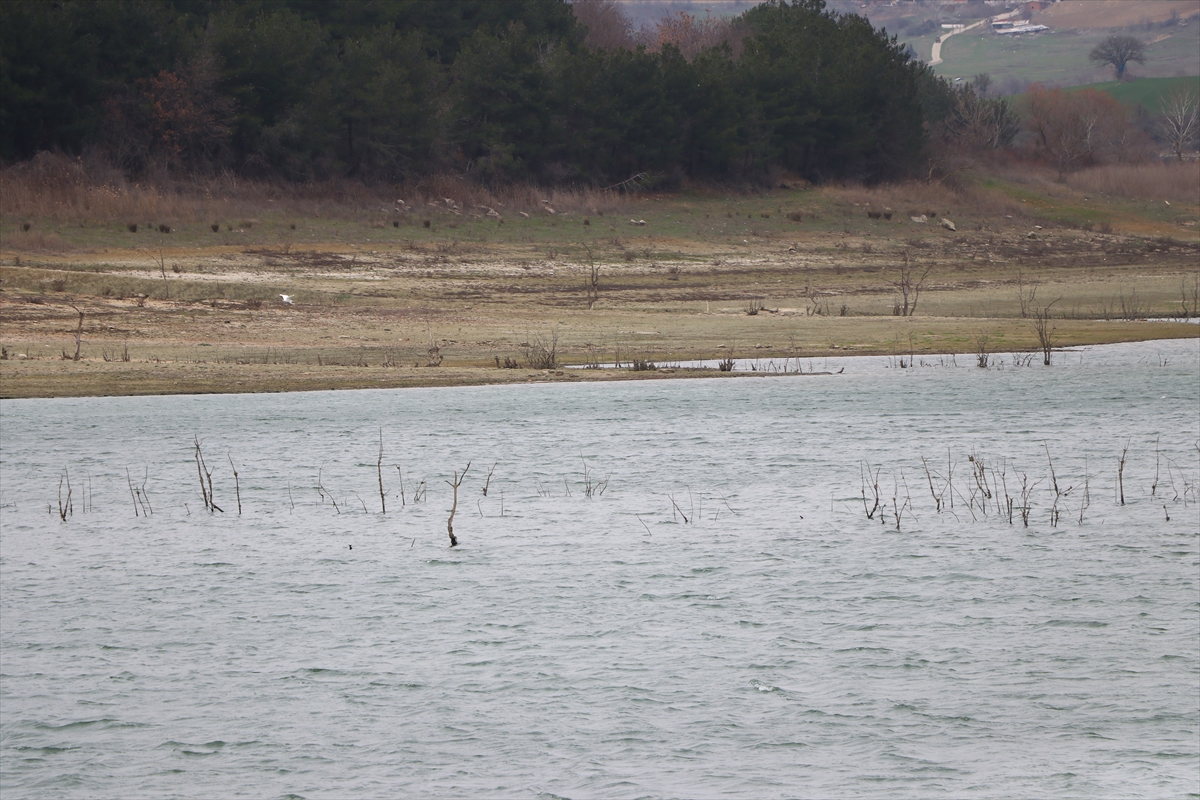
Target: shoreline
[(25, 379)]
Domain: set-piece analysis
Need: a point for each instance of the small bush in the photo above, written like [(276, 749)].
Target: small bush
[(216, 226), (132, 227), (795, 216), (542, 353)]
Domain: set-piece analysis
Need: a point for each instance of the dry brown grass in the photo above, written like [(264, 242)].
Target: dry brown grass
[(1158, 180), (56, 187)]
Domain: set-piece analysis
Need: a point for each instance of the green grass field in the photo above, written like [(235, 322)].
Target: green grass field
[(1146, 92), (1059, 57)]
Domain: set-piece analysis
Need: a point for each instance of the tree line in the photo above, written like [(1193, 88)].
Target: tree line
[(526, 90)]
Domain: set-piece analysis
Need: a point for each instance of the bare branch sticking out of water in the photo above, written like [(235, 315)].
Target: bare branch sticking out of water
[(133, 497), (1121, 472), (864, 471), (237, 487), (205, 474), (379, 474), (64, 506), (323, 492), (676, 509), (458, 479)]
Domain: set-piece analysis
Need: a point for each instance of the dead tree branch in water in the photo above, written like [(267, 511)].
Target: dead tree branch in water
[(133, 497), (488, 482), (379, 474), (205, 473), (237, 487), (864, 471), (323, 492), (675, 508), (65, 508), (1121, 472), (458, 479)]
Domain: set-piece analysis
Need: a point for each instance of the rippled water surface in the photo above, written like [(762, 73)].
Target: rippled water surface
[(720, 617)]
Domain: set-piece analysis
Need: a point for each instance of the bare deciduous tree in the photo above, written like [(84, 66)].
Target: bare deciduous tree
[(1180, 120), (1078, 128), (1119, 51), (607, 26), (692, 35)]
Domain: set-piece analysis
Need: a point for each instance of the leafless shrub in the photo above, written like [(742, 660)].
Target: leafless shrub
[(981, 349), (542, 353), (1026, 293), (753, 306), (1045, 330), (1132, 307), (1190, 297), (909, 284)]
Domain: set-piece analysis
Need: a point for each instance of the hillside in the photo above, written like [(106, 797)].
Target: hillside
[(1059, 56)]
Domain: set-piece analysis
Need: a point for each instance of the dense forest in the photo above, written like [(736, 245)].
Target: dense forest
[(529, 90)]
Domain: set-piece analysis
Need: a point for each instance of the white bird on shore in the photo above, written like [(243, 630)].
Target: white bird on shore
[(287, 298)]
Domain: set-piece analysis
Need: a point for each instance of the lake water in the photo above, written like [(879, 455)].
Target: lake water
[(719, 618)]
